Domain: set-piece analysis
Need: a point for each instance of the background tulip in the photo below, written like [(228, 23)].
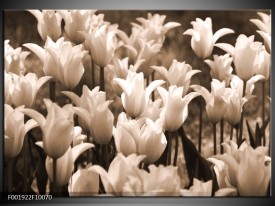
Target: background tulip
[(49, 23), (203, 40)]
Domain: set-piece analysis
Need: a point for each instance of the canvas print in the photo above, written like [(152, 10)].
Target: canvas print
[(137, 103)]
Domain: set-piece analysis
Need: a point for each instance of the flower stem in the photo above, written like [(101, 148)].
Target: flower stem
[(239, 140), (106, 156), (231, 132), (221, 140), (54, 176), (93, 73), (200, 130), (215, 138), (102, 83), (10, 173), (176, 148), (25, 160), (153, 92), (263, 110), (169, 146), (52, 91)]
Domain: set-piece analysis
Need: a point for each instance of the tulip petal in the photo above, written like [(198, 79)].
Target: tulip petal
[(267, 39), (259, 24), (132, 50), (162, 70), (170, 25), (137, 65), (104, 177), (40, 144), (125, 86), (78, 149), (221, 32), (30, 124), (39, 118), (189, 32), (152, 86), (39, 51), (226, 192), (42, 81), (71, 95), (204, 92), (226, 47)]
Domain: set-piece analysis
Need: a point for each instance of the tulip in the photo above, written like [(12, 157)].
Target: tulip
[(95, 116), (203, 40), (75, 21), (85, 182), (175, 110), (216, 101), (120, 69), (65, 163), (57, 128), (221, 68), (25, 88), (14, 59), (147, 51), (120, 169), (244, 55), (49, 23), (134, 97), (159, 181), (264, 24), (179, 74), (198, 188), (245, 164), (153, 110), (263, 63), (61, 60), (101, 43), (14, 138), (152, 134), (78, 137)]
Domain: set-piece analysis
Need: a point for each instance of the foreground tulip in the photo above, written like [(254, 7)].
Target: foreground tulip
[(101, 43), (120, 169), (76, 21), (14, 59), (203, 40), (263, 63), (95, 116), (49, 23), (244, 55), (65, 163), (179, 74), (14, 138), (85, 182), (25, 88), (61, 60), (134, 97), (221, 68), (245, 164), (175, 109), (159, 181), (216, 101), (57, 128), (8, 84)]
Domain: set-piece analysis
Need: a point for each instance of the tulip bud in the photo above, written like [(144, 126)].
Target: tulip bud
[(203, 40), (49, 23)]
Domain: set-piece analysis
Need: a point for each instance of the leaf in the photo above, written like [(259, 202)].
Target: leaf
[(197, 167), (257, 135), (251, 135)]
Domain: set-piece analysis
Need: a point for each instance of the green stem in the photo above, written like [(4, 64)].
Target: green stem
[(221, 140), (176, 149), (215, 138), (169, 146), (263, 110), (102, 82), (106, 156), (153, 92), (52, 91), (200, 129), (239, 140), (10, 173)]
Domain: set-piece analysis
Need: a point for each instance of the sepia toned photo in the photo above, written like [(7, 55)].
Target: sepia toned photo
[(137, 103)]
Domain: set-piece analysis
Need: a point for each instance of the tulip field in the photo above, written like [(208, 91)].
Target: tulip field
[(137, 103)]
